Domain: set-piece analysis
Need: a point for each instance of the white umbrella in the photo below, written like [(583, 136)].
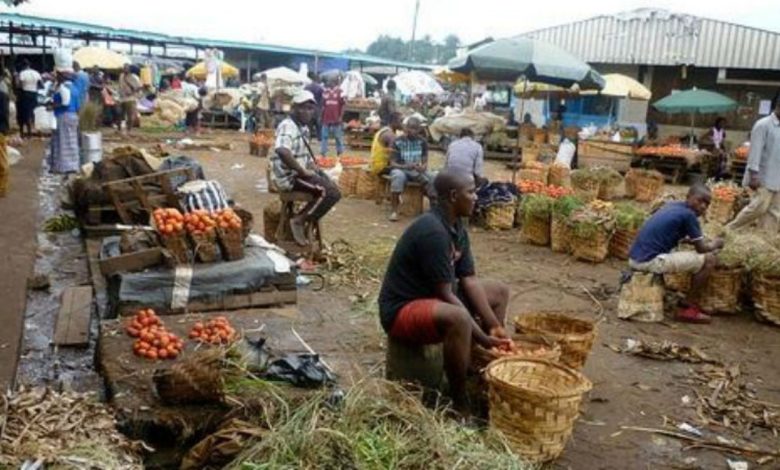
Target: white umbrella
[(288, 76), (415, 82)]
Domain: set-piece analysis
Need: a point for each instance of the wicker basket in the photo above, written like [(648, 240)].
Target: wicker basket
[(608, 192), (554, 138), (721, 292), (647, 188), (559, 176), (720, 211), (593, 248), (533, 174), (232, 244), (530, 153), (678, 282), (587, 191), (179, 248), (534, 403), (348, 180), (629, 182), (528, 346), (272, 214), (536, 230), (367, 185), (575, 336), (205, 246), (500, 216), (540, 136), (620, 243), (766, 296), (559, 235)]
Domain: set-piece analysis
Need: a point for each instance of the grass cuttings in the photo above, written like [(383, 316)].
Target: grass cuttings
[(607, 176), (378, 424), (536, 206), (751, 250), (564, 206), (589, 223), (584, 177), (629, 217), (357, 266)]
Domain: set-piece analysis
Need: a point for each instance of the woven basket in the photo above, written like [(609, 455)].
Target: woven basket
[(178, 247), (587, 191), (500, 216), (766, 296), (530, 153), (205, 246), (720, 211), (534, 403), (620, 243), (528, 346), (721, 292), (232, 244), (571, 132), (367, 185), (540, 136), (630, 183), (593, 248), (559, 176), (678, 282), (272, 214), (608, 192), (575, 336), (559, 235), (533, 174), (647, 189), (348, 180), (554, 138), (536, 230)]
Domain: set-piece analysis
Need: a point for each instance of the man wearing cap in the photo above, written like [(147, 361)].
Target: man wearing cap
[(293, 167)]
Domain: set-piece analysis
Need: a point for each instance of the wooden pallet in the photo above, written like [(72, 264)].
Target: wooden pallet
[(612, 154), (141, 199)]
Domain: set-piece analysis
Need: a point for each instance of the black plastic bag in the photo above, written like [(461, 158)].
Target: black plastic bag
[(301, 370)]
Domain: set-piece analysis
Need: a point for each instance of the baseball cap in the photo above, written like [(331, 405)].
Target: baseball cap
[(303, 97)]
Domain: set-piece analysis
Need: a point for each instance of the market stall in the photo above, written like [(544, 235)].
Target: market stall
[(675, 160)]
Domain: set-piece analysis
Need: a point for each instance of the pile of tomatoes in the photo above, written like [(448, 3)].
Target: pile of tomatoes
[(557, 191), (168, 221), (352, 161), (537, 187), (725, 193), (199, 222), (216, 331), (742, 152), (153, 340), (227, 219), (326, 162)]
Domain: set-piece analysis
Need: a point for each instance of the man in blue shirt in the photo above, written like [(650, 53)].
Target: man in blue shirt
[(409, 162), (674, 223), (80, 84)]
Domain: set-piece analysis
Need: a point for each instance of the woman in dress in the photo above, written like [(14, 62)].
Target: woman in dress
[(64, 154)]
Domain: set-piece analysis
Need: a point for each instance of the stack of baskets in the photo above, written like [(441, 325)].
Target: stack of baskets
[(575, 336), (528, 346), (534, 403), (766, 296), (720, 211), (648, 185), (533, 172), (500, 216), (348, 181), (367, 185)]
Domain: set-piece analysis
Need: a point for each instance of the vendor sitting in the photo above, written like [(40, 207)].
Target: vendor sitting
[(409, 162), (677, 222), (431, 294), (466, 156), (294, 168), (382, 146)]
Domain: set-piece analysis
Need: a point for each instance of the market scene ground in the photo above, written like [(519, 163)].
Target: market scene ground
[(194, 277)]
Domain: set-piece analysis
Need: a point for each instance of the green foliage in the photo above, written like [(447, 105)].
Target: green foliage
[(564, 206), (629, 216), (536, 205), (424, 50)]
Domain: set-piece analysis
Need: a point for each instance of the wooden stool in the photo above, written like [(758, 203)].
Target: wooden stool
[(411, 199), (284, 236), (420, 364)]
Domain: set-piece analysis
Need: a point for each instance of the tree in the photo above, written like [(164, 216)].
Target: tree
[(424, 50)]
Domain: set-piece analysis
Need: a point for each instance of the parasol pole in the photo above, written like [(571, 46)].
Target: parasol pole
[(516, 150), (693, 125)]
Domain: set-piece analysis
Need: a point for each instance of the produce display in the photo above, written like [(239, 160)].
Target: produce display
[(199, 222), (228, 220), (153, 340), (564, 206), (216, 331), (326, 162), (352, 161), (726, 192), (741, 153), (669, 151), (537, 187), (168, 221), (629, 216)]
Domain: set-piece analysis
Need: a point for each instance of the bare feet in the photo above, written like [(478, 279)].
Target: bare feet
[(298, 231)]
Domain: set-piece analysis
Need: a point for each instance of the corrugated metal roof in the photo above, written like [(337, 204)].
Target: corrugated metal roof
[(659, 37), (39, 22)]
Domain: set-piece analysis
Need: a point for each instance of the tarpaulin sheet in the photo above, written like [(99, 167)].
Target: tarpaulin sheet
[(480, 122)]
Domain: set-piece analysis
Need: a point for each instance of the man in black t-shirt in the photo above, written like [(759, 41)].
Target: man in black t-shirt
[(430, 293)]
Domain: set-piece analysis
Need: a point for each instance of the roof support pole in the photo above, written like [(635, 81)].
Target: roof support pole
[(43, 48), (149, 49), (248, 67), (11, 41)]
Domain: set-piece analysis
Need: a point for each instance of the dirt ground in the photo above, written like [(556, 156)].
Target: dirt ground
[(627, 391)]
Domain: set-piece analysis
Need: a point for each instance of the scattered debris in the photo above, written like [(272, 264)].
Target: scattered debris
[(356, 267), (737, 464), (38, 282), (61, 223), (699, 443), (665, 351), (689, 429)]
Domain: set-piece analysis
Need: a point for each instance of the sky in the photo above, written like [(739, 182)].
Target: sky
[(336, 25)]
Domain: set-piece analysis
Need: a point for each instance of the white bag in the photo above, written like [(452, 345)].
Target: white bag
[(44, 120), (565, 153)]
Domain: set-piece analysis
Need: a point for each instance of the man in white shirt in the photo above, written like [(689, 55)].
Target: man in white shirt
[(28, 82)]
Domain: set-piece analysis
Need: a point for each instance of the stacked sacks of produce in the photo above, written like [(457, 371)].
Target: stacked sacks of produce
[(172, 106)]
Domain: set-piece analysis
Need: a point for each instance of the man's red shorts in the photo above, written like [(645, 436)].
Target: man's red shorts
[(414, 323)]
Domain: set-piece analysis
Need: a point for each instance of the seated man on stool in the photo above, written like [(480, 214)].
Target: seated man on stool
[(409, 162), (677, 222), (294, 168), (431, 294)]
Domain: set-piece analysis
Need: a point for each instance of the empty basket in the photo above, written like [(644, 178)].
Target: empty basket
[(575, 336)]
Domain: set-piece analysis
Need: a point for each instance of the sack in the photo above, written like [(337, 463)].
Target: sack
[(566, 153), (203, 195), (642, 299)]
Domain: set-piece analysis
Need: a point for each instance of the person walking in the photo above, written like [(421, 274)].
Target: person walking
[(762, 174), (28, 83), (129, 88), (388, 105), (316, 89), (332, 116)]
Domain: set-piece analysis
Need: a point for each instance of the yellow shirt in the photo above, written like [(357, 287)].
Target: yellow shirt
[(380, 154)]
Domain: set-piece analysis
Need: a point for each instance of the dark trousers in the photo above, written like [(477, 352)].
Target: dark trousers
[(326, 195)]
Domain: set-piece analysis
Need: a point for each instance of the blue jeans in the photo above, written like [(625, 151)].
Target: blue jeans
[(337, 130)]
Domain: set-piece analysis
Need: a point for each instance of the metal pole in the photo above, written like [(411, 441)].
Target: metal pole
[(43, 57), (516, 150), (414, 28)]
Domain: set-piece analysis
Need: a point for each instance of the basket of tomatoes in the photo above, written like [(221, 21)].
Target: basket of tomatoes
[(230, 234), (724, 200), (202, 229), (153, 341), (169, 224)]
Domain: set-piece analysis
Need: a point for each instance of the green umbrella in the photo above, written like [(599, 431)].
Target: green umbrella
[(695, 102), (536, 61)]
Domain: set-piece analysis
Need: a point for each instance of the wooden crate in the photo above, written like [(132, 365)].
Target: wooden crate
[(616, 155), (130, 262), (140, 195)]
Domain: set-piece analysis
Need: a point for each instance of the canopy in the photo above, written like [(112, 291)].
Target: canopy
[(199, 71), (526, 89), (283, 74), (621, 86), (446, 75), (695, 101), (536, 61), (89, 57), (415, 82)]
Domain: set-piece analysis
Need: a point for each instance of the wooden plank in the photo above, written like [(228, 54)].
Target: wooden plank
[(73, 319), (227, 302), (98, 281), (131, 261)]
